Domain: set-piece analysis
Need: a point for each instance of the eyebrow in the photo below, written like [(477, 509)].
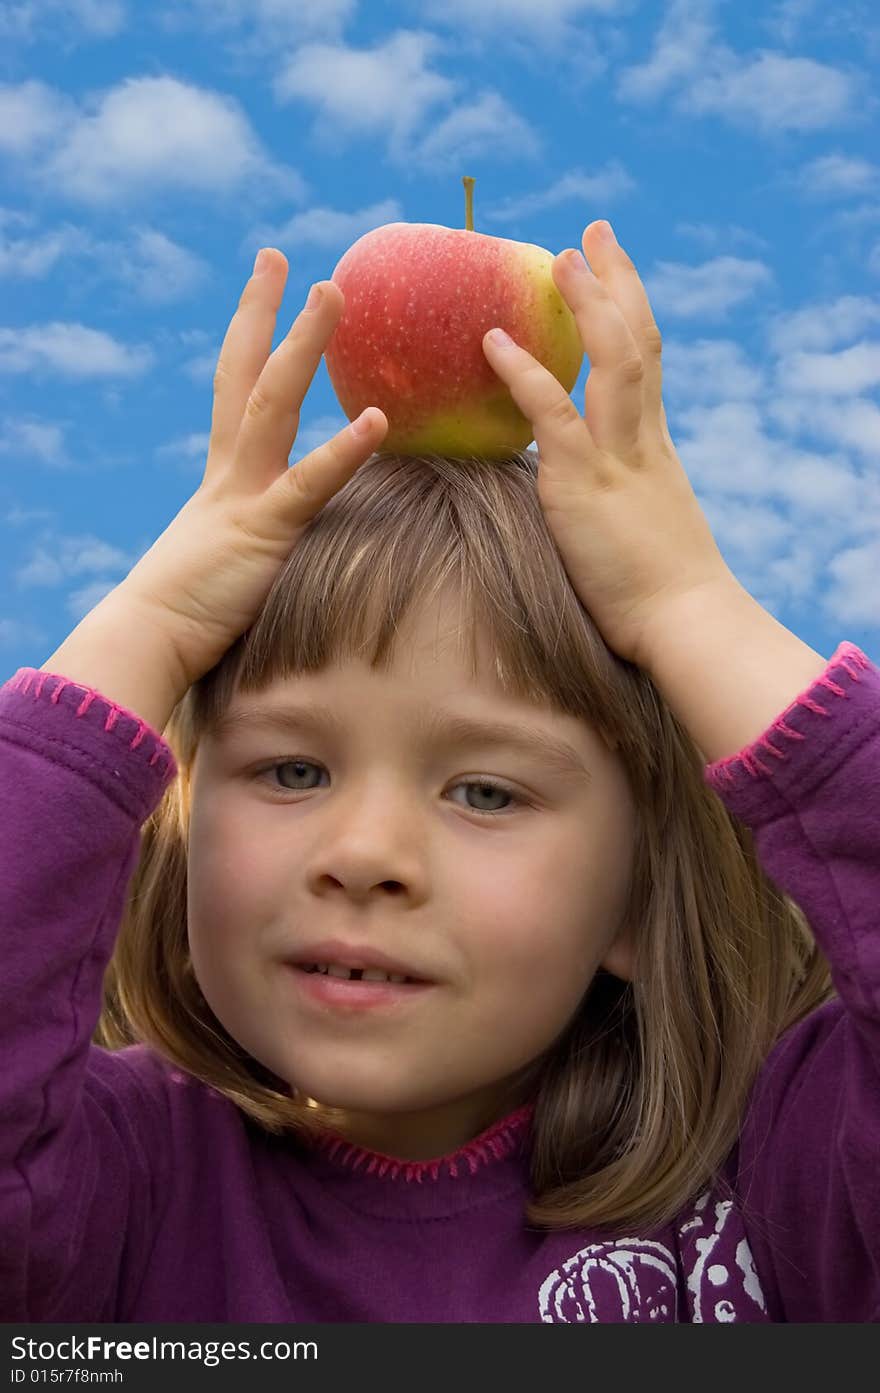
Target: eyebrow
[(440, 726)]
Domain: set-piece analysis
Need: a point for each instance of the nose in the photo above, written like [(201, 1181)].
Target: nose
[(370, 841)]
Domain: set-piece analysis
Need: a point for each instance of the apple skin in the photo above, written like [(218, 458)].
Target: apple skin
[(419, 297)]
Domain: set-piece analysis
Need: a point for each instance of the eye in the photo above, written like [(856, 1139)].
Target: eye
[(485, 786)]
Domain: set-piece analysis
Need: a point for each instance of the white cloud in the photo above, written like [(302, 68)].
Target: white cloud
[(26, 441), (135, 140), (775, 92), (32, 115), (607, 186), (386, 89), (712, 236), (265, 23), (683, 44), (60, 21), (324, 227), (35, 255), (188, 449), (783, 515), (158, 270), (786, 19), (390, 91), (677, 291), (708, 370), (783, 456), (69, 350), (17, 517), (155, 269), (468, 131), (36, 20), (70, 556), (823, 325), (101, 19), (550, 23), (852, 597), (768, 90), (839, 174), (497, 13), (55, 559), (855, 424), (25, 637), (844, 374)]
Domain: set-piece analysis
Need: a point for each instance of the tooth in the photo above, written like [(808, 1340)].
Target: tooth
[(371, 974)]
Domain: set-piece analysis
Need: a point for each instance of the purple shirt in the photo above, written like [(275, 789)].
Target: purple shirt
[(132, 1192)]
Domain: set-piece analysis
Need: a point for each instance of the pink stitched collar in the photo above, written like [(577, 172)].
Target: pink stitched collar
[(494, 1144)]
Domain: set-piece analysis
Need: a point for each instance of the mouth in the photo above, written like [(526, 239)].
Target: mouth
[(354, 990), (359, 974)]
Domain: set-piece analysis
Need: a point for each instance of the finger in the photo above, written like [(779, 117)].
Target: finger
[(561, 433), (270, 422), (245, 348), (304, 488), (618, 274), (613, 394)]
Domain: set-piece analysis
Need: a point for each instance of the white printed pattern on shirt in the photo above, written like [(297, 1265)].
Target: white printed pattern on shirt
[(636, 1279)]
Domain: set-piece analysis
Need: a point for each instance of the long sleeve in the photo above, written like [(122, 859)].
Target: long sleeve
[(77, 1196), (808, 1169), (128, 1195)]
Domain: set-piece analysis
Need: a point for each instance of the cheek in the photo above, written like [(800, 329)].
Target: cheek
[(228, 879), (544, 927), (537, 926)]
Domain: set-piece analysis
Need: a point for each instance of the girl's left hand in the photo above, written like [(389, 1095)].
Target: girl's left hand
[(617, 500)]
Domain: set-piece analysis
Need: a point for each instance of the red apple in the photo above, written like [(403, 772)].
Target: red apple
[(419, 297)]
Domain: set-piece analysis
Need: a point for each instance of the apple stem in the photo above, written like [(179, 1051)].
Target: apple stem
[(468, 182)]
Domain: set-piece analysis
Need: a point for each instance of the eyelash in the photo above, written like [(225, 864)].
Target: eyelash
[(464, 783)]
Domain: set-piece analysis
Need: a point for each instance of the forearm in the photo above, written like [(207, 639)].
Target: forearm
[(727, 669), (122, 653)]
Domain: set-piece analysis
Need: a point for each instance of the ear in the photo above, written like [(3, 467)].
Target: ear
[(619, 956)]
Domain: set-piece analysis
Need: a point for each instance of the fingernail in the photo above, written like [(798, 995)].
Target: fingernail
[(605, 232), (316, 295), (361, 426), (498, 336), (262, 263), (575, 262)]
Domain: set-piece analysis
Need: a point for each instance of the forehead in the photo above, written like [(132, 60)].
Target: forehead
[(444, 684), (437, 658)]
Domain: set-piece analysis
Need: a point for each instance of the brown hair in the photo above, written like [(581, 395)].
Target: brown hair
[(640, 1099)]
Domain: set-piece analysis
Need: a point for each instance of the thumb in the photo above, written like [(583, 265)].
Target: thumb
[(306, 486), (599, 243)]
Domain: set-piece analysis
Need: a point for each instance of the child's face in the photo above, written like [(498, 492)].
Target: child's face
[(388, 839)]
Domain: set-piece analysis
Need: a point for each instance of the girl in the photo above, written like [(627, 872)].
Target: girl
[(449, 956)]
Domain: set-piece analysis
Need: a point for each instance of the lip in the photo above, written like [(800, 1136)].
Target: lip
[(333, 950), (349, 995)]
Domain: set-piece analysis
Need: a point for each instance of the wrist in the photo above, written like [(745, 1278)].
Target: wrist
[(728, 670), (119, 650)]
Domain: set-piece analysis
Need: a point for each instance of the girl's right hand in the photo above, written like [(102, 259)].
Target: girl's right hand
[(208, 575)]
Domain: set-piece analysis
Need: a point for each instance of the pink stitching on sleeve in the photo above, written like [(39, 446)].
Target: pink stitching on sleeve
[(27, 678), (846, 654)]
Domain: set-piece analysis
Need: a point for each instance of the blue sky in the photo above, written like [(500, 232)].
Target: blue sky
[(148, 151)]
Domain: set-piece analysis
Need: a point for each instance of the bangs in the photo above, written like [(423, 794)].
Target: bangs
[(403, 535)]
